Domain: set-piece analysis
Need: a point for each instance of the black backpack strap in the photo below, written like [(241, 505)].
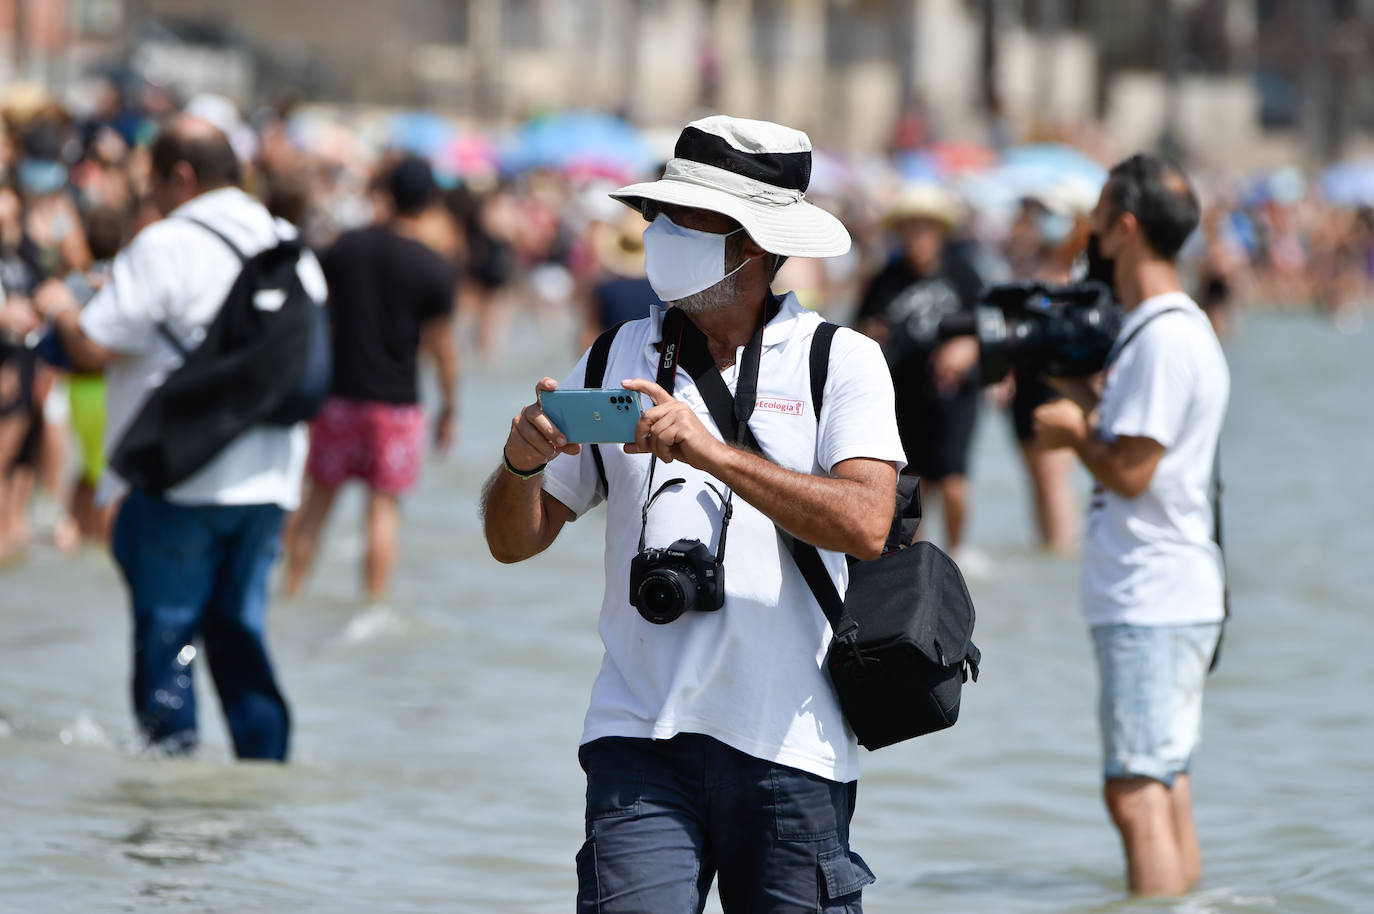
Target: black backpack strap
[(820, 363), (1217, 538), (165, 331), (243, 258), (597, 359)]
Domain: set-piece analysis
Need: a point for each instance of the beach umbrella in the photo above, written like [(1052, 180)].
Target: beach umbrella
[(1024, 169), (582, 141), (956, 158), (419, 132), (469, 154), (1279, 185), (1349, 183)]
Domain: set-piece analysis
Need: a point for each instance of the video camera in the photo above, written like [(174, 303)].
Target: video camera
[(1062, 331)]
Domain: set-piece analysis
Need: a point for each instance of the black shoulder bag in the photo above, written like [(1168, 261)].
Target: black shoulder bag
[(901, 649)]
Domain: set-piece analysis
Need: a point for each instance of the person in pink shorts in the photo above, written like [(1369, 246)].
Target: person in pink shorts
[(390, 298)]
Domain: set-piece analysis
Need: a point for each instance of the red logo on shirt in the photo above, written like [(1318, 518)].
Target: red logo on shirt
[(778, 405)]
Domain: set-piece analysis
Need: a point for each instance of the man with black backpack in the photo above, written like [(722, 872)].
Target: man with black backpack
[(1154, 587), (715, 745), (209, 335)]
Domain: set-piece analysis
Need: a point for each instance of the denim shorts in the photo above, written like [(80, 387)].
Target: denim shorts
[(1150, 704)]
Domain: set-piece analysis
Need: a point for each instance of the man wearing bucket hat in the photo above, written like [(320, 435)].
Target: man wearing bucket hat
[(714, 744), (936, 383)]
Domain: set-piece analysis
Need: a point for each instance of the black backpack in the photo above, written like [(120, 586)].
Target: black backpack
[(902, 646), (266, 359)]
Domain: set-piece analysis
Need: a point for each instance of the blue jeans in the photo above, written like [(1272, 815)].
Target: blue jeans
[(664, 817), (199, 574)]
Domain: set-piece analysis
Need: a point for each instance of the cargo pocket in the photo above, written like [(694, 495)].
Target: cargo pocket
[(843, 876)]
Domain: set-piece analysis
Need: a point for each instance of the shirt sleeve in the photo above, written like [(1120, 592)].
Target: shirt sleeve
[(124, 314), (858, 417), (1150, 388), (572, 478), (442, 286)]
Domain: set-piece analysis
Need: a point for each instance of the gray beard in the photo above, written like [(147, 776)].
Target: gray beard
[(716, 298)]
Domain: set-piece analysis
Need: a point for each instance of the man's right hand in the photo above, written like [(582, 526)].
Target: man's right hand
[(534, 439)]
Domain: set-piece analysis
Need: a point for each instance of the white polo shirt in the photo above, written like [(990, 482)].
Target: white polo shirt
[(177, 272), (750, 675), (1151, 560)]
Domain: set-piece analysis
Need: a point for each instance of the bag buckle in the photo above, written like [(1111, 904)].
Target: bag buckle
[(848, 638)]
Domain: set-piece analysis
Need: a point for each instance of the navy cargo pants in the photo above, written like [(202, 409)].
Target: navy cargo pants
[(665, 817)]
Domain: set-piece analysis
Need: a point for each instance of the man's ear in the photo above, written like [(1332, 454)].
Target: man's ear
[(183, 175), (1130, 223)]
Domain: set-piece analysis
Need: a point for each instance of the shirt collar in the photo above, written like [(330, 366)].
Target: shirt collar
[(779, 329), (210, 200)]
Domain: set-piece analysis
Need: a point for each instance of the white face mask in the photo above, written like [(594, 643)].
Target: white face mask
[(681, 262)]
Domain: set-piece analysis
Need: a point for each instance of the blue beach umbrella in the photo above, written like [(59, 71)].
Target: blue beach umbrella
[(577, 139), (1024, 168), (421, 133), (1349, 183)]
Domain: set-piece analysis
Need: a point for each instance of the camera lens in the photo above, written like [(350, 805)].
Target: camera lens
[(661, 598)]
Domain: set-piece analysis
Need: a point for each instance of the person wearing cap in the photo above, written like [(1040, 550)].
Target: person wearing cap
[(390, 298), (936, 382), (714, 745)]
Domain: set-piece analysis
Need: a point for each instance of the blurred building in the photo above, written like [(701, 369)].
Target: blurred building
[(1212, 77)]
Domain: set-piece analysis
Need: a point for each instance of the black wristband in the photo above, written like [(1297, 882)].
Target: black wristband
[(518, 473)]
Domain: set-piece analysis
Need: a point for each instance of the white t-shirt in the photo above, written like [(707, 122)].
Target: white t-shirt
[(750, 675), (1151, 560), (176, 272)]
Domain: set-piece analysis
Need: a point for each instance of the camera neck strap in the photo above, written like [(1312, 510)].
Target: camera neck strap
[(685, 344)]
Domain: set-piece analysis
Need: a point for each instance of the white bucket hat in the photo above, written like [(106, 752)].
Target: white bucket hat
[(756, 173)]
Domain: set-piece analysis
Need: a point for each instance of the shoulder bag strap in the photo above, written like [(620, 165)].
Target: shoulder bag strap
[(820, 363), (593, 377), (718, 401)]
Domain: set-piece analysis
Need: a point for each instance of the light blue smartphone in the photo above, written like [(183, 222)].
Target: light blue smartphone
[(605, 416)]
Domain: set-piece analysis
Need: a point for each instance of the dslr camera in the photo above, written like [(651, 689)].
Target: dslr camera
[(1040, 329), (665, 583)]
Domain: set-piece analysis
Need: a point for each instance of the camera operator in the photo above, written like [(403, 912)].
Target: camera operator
[(1153, 586), (714, 743)]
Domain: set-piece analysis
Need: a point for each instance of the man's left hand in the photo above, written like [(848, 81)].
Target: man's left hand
[(52, 298), (1060, 423), (671, 430)]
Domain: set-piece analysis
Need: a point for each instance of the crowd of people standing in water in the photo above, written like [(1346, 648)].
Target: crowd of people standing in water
[(75, 191), (124, 232)]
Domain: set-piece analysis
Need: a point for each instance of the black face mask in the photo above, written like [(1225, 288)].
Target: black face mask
[(1102, 269)]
